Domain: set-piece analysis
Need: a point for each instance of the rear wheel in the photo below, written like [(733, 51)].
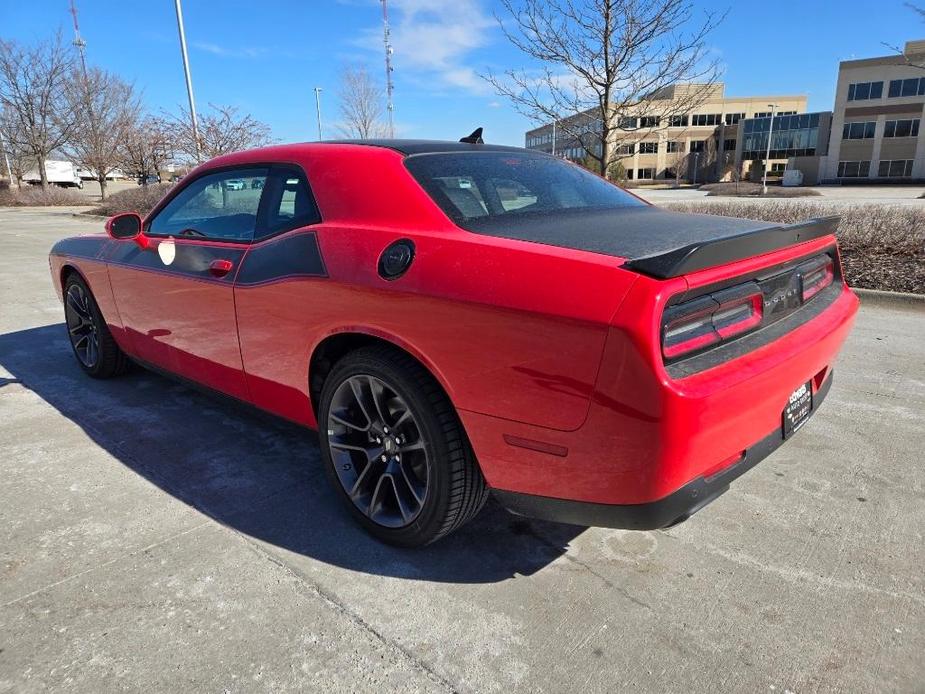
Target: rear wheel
[(96, 351), (395, 449)]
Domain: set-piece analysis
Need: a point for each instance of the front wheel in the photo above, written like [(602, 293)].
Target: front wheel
[(395, 449), (94, 346)]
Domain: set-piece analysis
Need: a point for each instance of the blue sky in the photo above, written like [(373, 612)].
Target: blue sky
[(265, 56)]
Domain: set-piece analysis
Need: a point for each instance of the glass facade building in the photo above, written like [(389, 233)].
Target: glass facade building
[(793, 136)]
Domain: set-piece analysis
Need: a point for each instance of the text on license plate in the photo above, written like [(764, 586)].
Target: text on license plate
[(798, 409)]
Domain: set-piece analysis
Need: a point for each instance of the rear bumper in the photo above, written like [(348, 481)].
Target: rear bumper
[(665, 512)]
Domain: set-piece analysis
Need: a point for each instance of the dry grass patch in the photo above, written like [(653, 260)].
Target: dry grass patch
[(882, 246), (141, 199), (36, 196)]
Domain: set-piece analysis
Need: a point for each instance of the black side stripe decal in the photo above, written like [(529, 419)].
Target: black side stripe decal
[(180, 259), (88, 247), (289, 257)]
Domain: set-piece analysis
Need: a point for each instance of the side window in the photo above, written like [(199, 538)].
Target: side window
[(222, 206), (288, 202)]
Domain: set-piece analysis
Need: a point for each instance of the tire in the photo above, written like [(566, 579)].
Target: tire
[(93, 345), (421, 480)]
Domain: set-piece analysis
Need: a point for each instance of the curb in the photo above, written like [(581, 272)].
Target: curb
[(883, 298)]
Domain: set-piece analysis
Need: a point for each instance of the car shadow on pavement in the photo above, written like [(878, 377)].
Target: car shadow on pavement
[(257, 474)]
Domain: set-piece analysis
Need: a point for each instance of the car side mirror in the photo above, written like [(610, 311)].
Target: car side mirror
[(126, 226)]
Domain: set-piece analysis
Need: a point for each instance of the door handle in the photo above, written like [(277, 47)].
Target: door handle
[(220, 267)]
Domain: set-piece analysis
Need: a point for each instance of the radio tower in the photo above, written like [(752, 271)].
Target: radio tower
[(79, 43), (388, 65)]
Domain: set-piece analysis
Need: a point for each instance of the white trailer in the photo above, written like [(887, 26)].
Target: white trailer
[(60, 173)]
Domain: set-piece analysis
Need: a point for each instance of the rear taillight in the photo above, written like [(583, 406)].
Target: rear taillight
[(695, 325), (816, 276)]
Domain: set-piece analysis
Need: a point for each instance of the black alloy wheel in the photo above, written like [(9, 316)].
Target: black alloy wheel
[(94, 346), (377, 451), (394, 447), (81, 328)]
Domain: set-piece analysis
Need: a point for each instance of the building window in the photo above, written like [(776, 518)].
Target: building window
[(626, 150), (795, 135), (777, 168), (762, 114), (626, 123), (707, 119), (729, 145), (733, 118), (698, 145), (648, 148), (860, 91), (677, 121), (649, 122), (674, 146), (913, 86), (629, 174), (859, 131), (853, 169), (902, 128), (895, 168), (646, 174)]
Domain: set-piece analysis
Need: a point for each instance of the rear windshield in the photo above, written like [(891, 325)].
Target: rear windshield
[(478, 187), (475, 188)]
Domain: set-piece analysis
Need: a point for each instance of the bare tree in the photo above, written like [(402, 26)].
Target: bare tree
[(32, 93), (147, 148), (361, 105), (221, 131), (607, 67), (108, 108), (19, 157)]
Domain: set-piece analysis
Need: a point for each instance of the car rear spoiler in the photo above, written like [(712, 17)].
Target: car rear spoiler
[(704, 254)]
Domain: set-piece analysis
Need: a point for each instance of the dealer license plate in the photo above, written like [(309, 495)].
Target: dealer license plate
[(798, 409)]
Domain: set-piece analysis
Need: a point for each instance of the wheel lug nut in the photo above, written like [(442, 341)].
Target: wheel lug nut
[(385, 429)]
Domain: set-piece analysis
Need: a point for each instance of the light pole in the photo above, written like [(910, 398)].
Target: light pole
[(318, 109), (553, 137), (696, 160), (189, 81), (764, 182)]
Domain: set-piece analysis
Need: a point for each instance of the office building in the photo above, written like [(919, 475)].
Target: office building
[(876, 133), (699, 146)]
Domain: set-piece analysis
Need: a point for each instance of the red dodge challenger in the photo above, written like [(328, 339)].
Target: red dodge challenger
[(455, 318)]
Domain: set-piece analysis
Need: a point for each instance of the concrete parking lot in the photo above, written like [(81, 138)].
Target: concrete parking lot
[(156, 539)]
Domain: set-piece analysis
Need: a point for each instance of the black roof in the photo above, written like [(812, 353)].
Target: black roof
[(429, 146)]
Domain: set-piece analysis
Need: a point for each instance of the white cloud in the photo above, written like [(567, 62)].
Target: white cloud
[(432, 39), (215, 49)]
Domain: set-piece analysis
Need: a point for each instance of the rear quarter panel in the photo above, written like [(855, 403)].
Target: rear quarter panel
[(507, 328)]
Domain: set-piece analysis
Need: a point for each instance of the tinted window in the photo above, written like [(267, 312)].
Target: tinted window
[(288, 202), (221, 206), (494, 184)]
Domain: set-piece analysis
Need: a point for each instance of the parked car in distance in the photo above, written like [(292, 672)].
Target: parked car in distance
[(256, 184), (60, 173), (457, 318), (148, 180)]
